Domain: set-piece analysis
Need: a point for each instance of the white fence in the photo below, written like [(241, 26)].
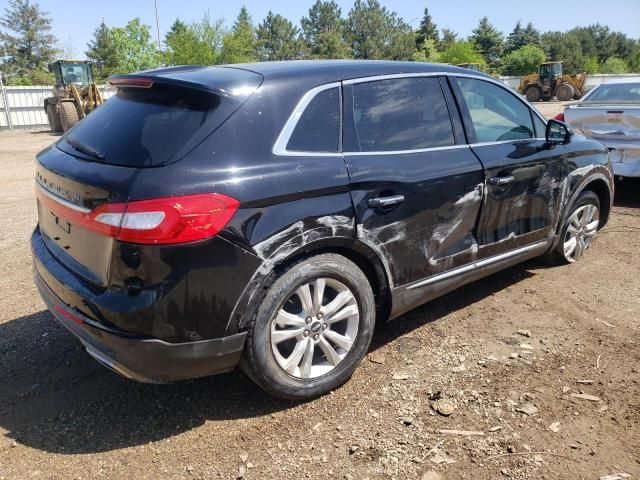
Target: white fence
[(23, 107), (592, 80)]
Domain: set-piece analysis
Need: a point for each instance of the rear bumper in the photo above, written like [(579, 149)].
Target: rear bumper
[(137, 356), (145, 359)]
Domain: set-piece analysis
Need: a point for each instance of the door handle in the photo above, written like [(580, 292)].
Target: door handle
[(385, 202), (501, 181)]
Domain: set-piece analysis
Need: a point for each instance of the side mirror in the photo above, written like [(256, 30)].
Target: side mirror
[(558, 133)]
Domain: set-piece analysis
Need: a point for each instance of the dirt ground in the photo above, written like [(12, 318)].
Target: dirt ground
[(513, 355)]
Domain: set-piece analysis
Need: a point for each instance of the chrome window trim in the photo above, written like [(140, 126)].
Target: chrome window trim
[(62, 201), (406, 152), (280, 146)]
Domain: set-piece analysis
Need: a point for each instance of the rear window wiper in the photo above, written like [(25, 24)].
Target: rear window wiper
[(84, 148)]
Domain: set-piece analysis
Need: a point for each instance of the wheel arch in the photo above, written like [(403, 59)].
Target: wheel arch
[(600, 188), (358, 252)]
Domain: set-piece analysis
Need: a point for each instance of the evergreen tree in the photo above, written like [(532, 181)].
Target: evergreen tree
[(531, 36), (279, 39), (199, 43), (324, 30), (376, 33), (449, 37), (428, 30), (26, 39), (516, 39), (240, 44), (103, 52), (490, 42)]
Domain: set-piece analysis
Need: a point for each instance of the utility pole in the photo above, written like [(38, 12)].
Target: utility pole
[(155, 2)]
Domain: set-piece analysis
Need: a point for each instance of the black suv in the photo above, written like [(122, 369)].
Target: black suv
[(268, 214)]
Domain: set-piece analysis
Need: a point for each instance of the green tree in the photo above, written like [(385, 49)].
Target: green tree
[(427, 52), (462, 51), (523, 61), (428, 30), (135, 46), (614, 65), (324, 30), (26, 39), (531, 36), (489, 41), (199, 43), (376, 33), (449, 37), (515, 40), (240, 44), (565, 48), (279, 39), (103, 52), (591, 65)]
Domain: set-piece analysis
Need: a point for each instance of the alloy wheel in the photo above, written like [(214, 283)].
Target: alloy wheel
[(581, 228), (315, 328)]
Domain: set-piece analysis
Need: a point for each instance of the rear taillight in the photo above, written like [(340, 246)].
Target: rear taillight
[(158, 221), (559, 117)]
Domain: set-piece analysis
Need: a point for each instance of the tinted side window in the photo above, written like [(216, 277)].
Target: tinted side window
[(497, 115), (318, 129), (401, 114)]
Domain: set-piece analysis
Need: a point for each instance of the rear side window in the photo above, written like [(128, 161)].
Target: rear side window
[(318, 129), (141, 127), (401, 114), (496, 114)]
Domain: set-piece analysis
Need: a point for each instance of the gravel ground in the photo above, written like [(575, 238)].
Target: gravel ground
[(538, 367)]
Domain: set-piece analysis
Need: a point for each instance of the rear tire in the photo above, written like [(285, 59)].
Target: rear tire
[(533, 94), (578, 231), (54, 120), (68, 115), (565, 92), (300, 346)]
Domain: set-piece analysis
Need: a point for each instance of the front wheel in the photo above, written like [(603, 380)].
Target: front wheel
[(579, 229), (312, 328)]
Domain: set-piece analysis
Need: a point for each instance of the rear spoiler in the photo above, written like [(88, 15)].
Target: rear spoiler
[(240, 91)]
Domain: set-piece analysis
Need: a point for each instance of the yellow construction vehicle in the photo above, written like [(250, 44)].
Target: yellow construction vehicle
[(74, 94), (551, 81)]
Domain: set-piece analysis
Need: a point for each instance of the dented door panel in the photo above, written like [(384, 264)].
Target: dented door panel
[(523, 208), (433, 229)]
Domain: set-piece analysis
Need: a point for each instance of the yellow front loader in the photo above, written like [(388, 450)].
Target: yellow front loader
[(551, 81), (75, 94)]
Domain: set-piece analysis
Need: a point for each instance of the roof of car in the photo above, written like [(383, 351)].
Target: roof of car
[(343, 69), (301, 73)]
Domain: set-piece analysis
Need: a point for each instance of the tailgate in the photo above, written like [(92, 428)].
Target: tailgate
[(67, 189), (606, 122)]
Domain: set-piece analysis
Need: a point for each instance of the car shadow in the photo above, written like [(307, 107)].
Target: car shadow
[(55, 398), (627, 193)]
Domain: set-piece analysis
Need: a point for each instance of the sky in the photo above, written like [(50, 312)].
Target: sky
[(75, 20)]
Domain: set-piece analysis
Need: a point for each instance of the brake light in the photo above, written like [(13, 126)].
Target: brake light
[(139, 82), (559, 117), (159, 221)]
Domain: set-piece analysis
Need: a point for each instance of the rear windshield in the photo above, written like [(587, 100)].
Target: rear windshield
[(141, 127), (621, 92)]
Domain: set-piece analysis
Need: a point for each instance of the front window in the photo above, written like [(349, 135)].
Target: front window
[(496, 114), (75, 73)]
